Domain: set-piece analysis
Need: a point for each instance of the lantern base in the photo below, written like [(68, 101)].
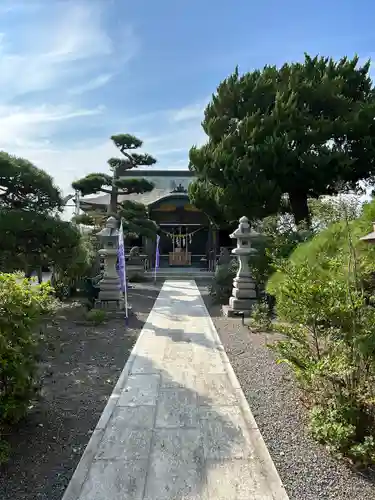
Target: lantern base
[(229, 312), (116, 307)]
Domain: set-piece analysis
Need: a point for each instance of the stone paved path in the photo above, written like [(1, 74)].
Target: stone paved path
[(177, 426)]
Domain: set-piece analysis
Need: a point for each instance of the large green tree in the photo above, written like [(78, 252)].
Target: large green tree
[(303, 130), (32, 233), (26, 187)]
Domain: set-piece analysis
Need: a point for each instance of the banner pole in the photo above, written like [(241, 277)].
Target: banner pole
[(122, 267), (157, 257)]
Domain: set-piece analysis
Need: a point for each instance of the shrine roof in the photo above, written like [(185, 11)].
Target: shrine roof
[(146, 198)]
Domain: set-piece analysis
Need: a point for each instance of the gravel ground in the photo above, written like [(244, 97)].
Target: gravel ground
[(81, 365), (307, 470)]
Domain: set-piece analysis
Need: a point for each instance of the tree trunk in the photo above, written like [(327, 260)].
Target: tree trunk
[(300, 208), (112, 207)]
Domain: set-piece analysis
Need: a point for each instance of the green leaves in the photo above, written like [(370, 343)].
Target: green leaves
[(93, 183), (22, 307), (136, 221), (117, 184), (135, 185), (329, 338), (304, 129), (35, 239), (26, 187), (126, 141)]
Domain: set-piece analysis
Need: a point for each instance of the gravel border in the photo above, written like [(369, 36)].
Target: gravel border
[(307, 470), (81, 365)]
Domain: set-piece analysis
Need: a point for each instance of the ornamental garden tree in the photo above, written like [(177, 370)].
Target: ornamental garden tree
[(301, 131), (26, 187), (32, 233), (134, 215)]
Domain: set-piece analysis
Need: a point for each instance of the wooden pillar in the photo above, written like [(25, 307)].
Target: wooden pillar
[(212, 244)]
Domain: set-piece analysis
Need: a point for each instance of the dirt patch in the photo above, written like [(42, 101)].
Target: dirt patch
[(81, 364)]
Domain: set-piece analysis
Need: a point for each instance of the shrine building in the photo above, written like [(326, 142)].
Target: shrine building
[(187, 237)]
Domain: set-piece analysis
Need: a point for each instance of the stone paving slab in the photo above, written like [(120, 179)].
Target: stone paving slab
[(177, 426)]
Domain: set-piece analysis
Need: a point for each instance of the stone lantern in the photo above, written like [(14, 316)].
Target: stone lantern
[(244, 290), (109, 285)]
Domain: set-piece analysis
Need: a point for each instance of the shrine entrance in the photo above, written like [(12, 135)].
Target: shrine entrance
[(184, 232), (183, 245)]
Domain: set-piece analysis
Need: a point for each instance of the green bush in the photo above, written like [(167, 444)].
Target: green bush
[(96, 316), (332, 241), (222, 283), (329, 342), (81, 265), (22, 306), (277, 239), (261, 317)]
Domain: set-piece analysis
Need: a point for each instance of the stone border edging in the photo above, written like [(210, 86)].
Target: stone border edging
[(272, 476)]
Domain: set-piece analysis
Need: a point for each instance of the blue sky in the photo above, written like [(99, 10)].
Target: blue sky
[(72, 73)]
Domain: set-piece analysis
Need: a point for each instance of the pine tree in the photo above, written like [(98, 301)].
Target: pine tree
[(134, 214)]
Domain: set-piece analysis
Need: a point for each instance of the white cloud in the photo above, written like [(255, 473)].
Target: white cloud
[(190, 112), (78, 35), (63, 46), (63, 51), (29, 126), (93, 84), (45, 73)]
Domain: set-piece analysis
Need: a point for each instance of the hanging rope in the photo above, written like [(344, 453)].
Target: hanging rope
[(181, 239)]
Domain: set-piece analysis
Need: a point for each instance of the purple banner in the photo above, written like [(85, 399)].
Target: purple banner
[(121, 259), (157, 258)]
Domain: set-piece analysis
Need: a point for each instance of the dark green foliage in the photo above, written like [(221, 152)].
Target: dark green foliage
[(22, 308), (137, 186), (222, 283), (92, 183), (34, 239), (305, 129), (212, 200), (80, 265), (26, 187), (126, 141), (32, 234), (136, 221)]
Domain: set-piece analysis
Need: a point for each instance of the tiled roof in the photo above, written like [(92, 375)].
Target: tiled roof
[(145, 198)]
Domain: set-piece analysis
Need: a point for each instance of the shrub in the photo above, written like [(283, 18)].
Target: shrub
[(261, 317), (330, 344), (278, 237), (22, 306), (96, 316), (328, 243), (82, 264), (221, 287)]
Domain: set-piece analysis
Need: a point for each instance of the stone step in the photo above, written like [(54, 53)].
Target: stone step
[(180, 274)]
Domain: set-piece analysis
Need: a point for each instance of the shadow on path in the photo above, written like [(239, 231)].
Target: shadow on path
[(188, 441)]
